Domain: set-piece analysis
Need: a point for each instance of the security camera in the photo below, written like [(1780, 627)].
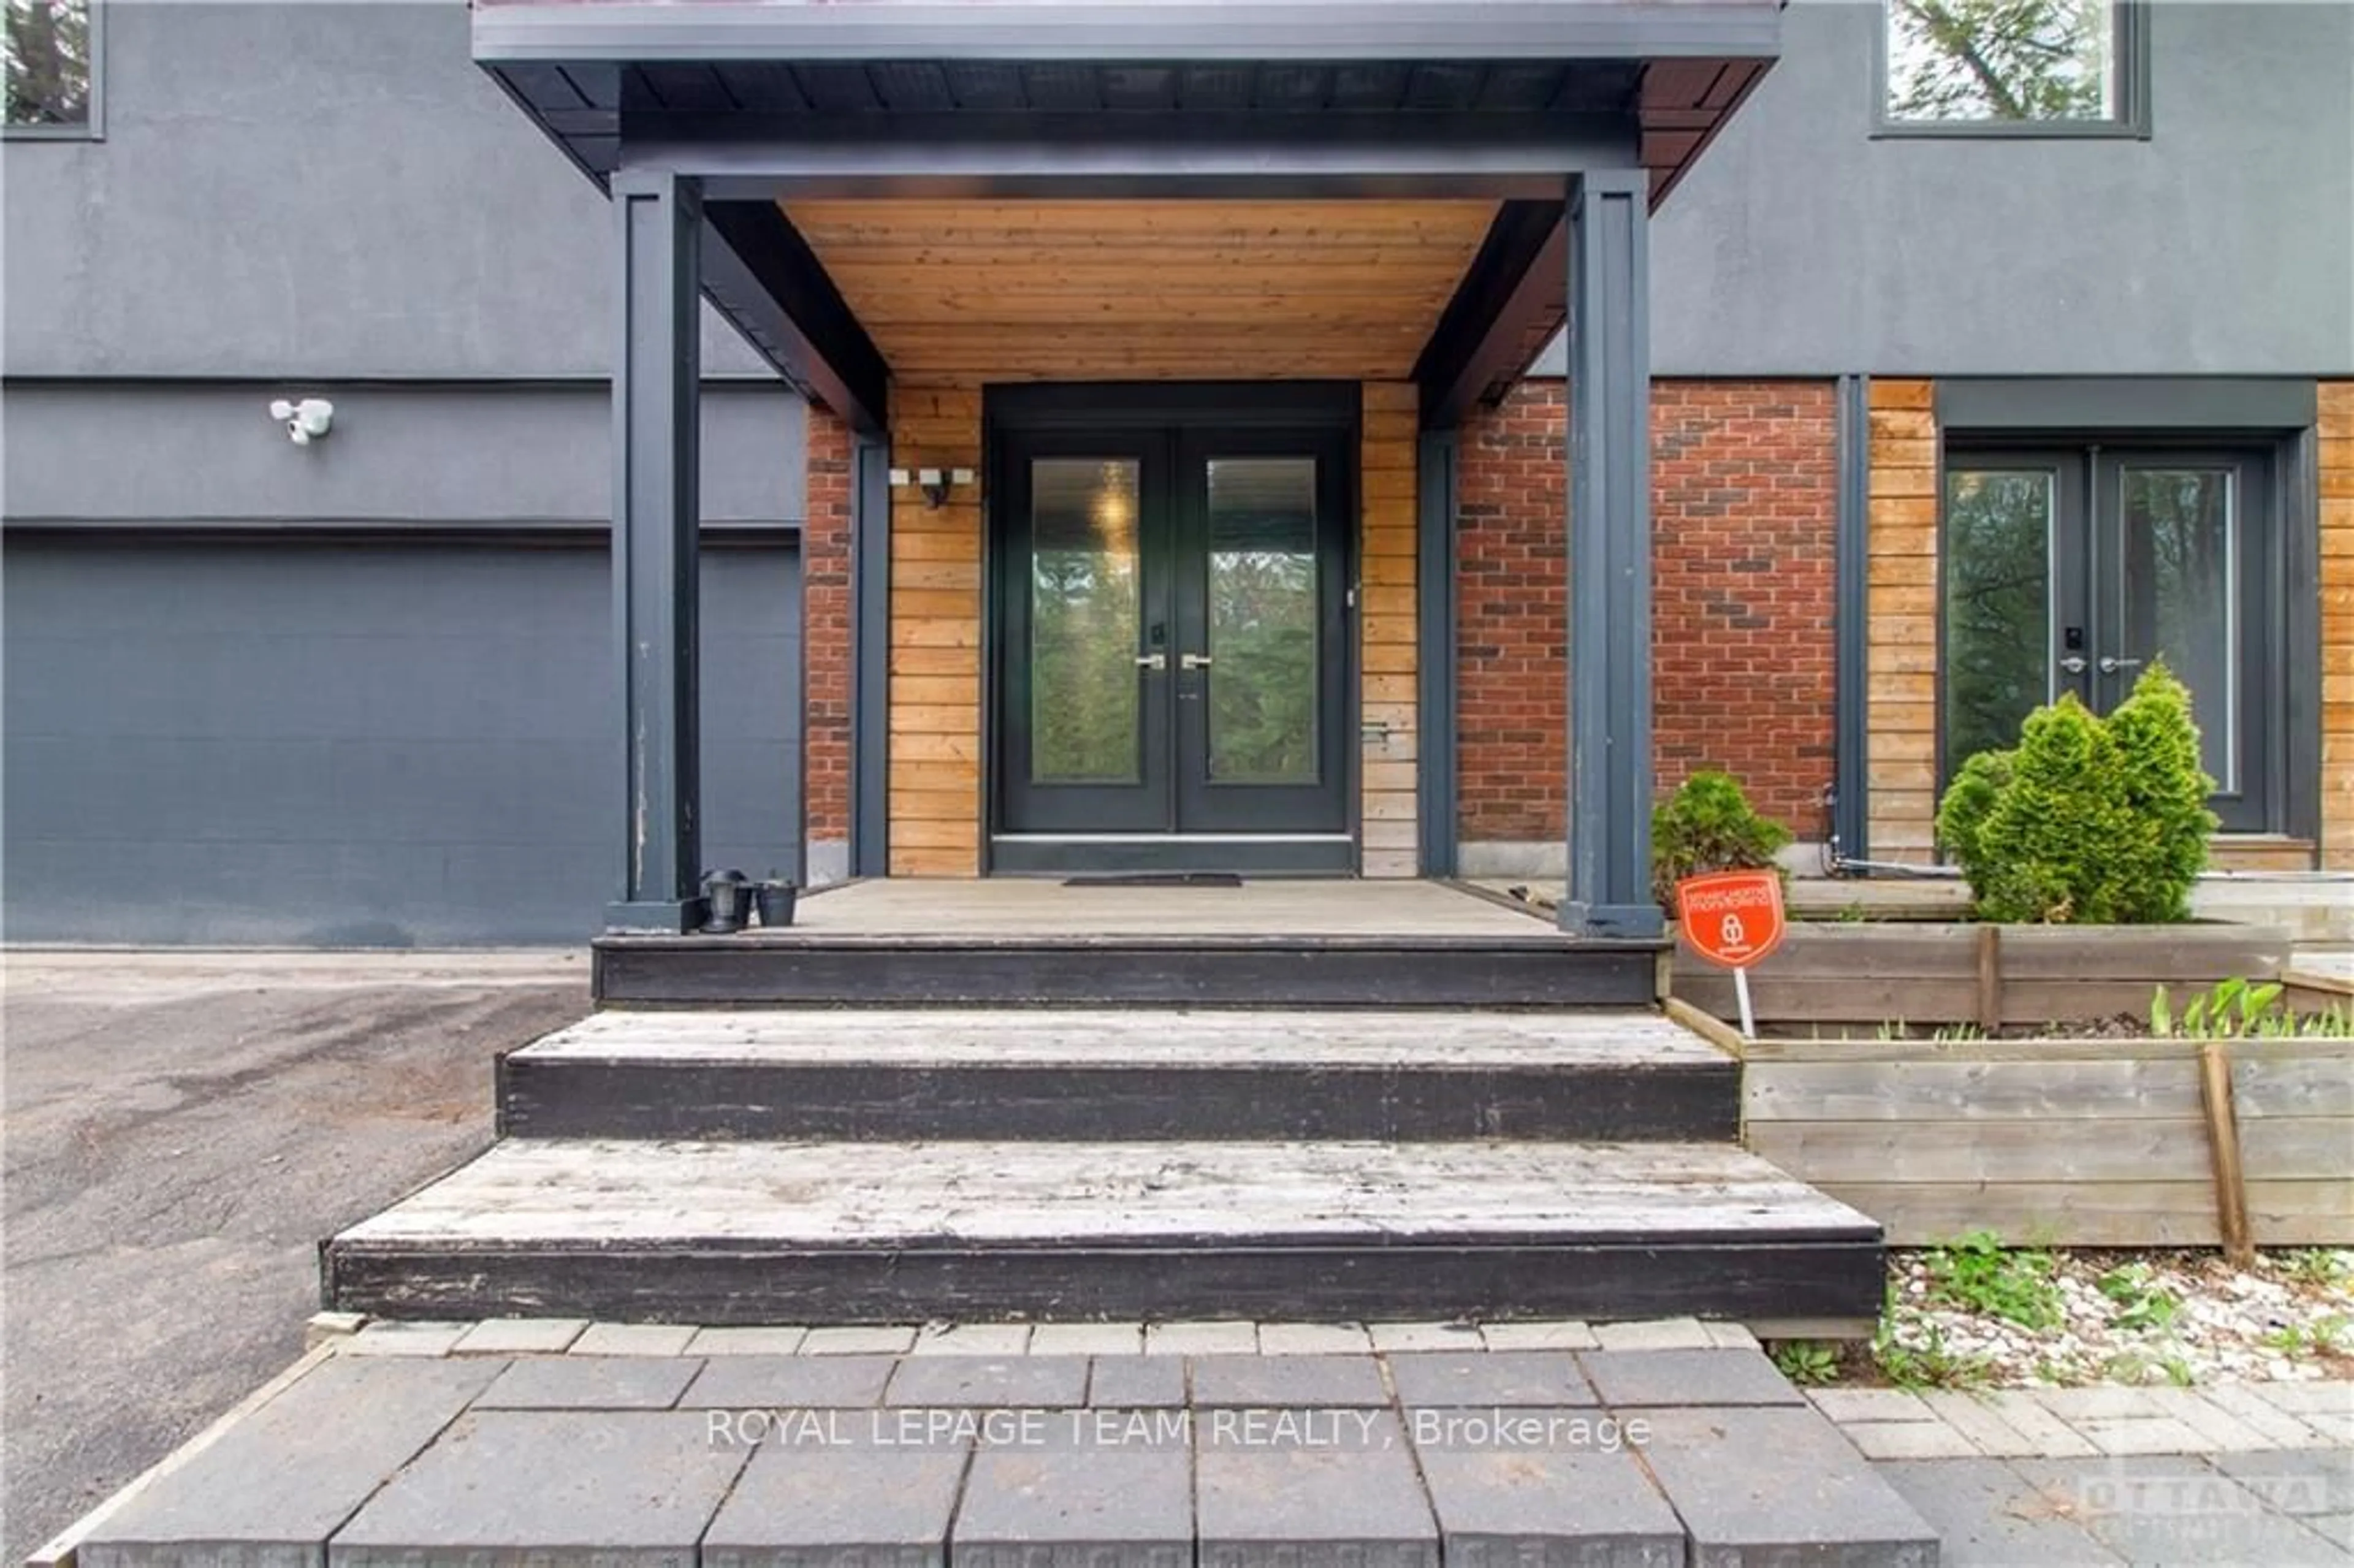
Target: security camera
[(311, 418)]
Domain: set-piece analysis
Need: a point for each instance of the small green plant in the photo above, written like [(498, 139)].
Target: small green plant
[(1929, 1365), (1707, 824), (1962, 814), (2088, 819), (2240, 1009), (2046, 846), (1956, 1034), (1852, 913), (2329, 1334), (2319, 1265), (1978, 1274), (2139, 1366), (2142, 1302), (1806, 1362), (2166, 791), (2290, 1340)]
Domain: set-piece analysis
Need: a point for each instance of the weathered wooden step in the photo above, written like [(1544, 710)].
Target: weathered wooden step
[(749, 1232), (1127, 1074), (1523, 965)]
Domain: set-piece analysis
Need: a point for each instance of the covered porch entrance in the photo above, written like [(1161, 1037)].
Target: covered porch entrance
[(1202, 638)]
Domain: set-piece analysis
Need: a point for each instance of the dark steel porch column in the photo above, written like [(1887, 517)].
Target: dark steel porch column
[(657, 510), (1609, 890)]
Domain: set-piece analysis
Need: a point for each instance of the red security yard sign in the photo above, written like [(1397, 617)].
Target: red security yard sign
[(1733, 918)]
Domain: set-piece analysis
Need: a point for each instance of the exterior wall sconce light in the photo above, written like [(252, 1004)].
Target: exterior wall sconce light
[(305, 421), (935, 483)]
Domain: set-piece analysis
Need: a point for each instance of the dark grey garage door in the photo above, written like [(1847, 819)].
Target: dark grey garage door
[(340, 744)]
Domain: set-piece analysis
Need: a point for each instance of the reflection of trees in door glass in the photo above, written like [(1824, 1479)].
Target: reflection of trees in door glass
[(1084, 601), (1262, 621), (2177, 593), (1998, 594)]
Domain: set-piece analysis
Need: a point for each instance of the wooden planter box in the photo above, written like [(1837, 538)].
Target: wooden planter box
[(1938, 971), (2071, 1142)]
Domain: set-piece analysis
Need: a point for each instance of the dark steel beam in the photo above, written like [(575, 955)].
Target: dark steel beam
[(1851, 548), (870, 712), (1435, 745), (1508, 302), (1609, 892), (657, 385), (761, 157), (758, 271), (1120, 30)]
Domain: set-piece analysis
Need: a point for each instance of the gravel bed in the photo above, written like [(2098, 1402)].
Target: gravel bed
[(2183, 1317)]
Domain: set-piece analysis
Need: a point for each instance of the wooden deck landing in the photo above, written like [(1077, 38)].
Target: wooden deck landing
[(1013, 943), (1008, 908)]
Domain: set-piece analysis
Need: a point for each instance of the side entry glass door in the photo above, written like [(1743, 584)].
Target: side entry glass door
[(2073, 569)]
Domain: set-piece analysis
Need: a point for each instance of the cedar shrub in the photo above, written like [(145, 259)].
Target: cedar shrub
[(1707, 824), (2089, 820)]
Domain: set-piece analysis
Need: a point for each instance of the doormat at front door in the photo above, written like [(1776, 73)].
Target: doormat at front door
[(1157, 879)]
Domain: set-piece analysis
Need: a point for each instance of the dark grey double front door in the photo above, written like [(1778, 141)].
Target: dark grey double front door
[(1172, 649), (2072, 569)]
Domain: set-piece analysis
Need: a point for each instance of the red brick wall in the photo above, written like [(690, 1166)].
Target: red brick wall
[(826, 629), (1743, 493), (1511, 620)]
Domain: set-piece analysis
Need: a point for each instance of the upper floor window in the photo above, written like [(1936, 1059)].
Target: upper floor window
[(2014, 67), (50, 52)]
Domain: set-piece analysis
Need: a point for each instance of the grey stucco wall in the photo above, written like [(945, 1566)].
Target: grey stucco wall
[(2224, 244), (478, 452), (357, 744), (307, 190), (290, 191)]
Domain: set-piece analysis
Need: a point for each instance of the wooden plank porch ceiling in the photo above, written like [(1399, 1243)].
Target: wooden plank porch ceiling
[(959, 291)]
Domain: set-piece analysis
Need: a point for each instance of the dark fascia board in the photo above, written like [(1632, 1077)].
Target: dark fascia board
[(744, 157), (759, 270), (549, 531), (1405, 30), (716, 384), (2117, 403), (1512, 288)]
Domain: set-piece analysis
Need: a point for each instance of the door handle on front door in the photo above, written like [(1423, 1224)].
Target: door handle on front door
[(2073, 663), (1193, 661), (1153, 662), (2111, 663)]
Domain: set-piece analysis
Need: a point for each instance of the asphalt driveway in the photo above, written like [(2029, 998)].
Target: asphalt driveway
[(181, 1129)]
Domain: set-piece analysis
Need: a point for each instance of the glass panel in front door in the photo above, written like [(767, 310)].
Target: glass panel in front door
[(1262, 668), (2179, 598), (1998, 605), (1086, 605)]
